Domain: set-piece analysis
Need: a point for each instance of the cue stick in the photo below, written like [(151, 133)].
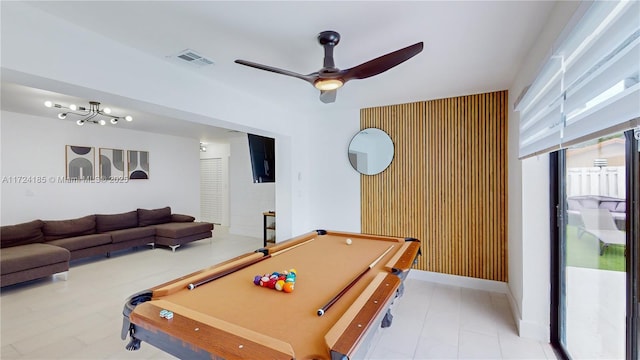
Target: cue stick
[(242, 266), (326, 307)]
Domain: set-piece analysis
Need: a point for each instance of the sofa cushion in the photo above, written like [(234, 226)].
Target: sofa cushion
[(25, 257), (177, 230), (58, 229), (82, 242), (155, 216), (21, 234), (112, 222), (131, 234), (182, 218)]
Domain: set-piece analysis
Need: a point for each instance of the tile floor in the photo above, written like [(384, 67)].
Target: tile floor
[(81, 318), (434, 321)]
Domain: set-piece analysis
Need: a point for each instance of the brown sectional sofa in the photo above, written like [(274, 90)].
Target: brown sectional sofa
[(41, 248), (25, 256)]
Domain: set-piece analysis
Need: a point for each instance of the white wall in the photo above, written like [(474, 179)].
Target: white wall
[(35, 147), (221, 151), (250, 200), (528, 205), (334, 202)]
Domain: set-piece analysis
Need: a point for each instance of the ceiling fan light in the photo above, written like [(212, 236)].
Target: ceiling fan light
[(328, 84)]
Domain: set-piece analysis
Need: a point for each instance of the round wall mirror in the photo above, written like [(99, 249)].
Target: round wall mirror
[(371, 151)]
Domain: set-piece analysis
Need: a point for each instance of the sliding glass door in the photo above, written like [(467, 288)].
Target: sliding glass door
[(586, 91), (593, 289), (633, 253)]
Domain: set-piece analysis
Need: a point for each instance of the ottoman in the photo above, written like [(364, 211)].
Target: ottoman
[(175, 234)]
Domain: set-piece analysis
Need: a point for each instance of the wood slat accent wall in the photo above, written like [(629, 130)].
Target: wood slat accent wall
[(447, 184)]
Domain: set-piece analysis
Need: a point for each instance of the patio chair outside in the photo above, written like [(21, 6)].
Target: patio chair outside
[(599, 223)]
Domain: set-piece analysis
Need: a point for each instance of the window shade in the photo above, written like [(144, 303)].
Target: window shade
[(589, 85)]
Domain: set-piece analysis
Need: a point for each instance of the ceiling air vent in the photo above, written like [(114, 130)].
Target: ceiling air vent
[(193, 58)]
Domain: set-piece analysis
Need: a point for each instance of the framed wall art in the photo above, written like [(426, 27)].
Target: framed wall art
[(111, 164), (80, 162), (138, 164)]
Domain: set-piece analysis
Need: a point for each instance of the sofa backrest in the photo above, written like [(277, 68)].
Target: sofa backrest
[(113, 222), (153, 217), (60, 229), (182, 218), (21, 234)]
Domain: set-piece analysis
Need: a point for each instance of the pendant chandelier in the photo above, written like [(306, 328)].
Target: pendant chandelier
[(93, 114)]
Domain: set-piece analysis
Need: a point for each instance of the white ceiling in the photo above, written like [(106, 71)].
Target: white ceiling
[(469, 47)]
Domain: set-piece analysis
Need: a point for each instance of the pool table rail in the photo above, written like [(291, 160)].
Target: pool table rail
[(363, 316), (319, 233), (208, 337), (405, 258)]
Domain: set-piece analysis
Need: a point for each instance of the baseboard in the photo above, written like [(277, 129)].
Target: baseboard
[(531, 330), (515, 309), (527, 329), (461, 281), (245, 231)]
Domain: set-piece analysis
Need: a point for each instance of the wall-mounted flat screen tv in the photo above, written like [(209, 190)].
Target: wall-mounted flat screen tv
[(262, 151)]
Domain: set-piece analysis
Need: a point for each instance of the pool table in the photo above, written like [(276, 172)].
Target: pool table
[(219, 313)]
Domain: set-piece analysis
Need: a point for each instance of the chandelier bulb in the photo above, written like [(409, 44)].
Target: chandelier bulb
[(48, 103), (62, 116), (102, 122), (128, 118), (107, 110), (114, 121), (73, 107), (80, 122)]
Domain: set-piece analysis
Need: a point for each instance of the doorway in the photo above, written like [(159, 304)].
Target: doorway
[(212, 193)]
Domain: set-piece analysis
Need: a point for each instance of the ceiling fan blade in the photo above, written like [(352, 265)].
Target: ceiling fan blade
[(328, 96), (382, 63), (309, 78)]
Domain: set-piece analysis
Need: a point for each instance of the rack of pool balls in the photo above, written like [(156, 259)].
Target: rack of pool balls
[(281, 281)]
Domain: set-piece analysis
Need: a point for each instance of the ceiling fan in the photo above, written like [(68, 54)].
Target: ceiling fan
[(329, 78)]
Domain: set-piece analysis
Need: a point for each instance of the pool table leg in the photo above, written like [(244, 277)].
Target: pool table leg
[(166, 343), (387, 320), (134, 344)]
